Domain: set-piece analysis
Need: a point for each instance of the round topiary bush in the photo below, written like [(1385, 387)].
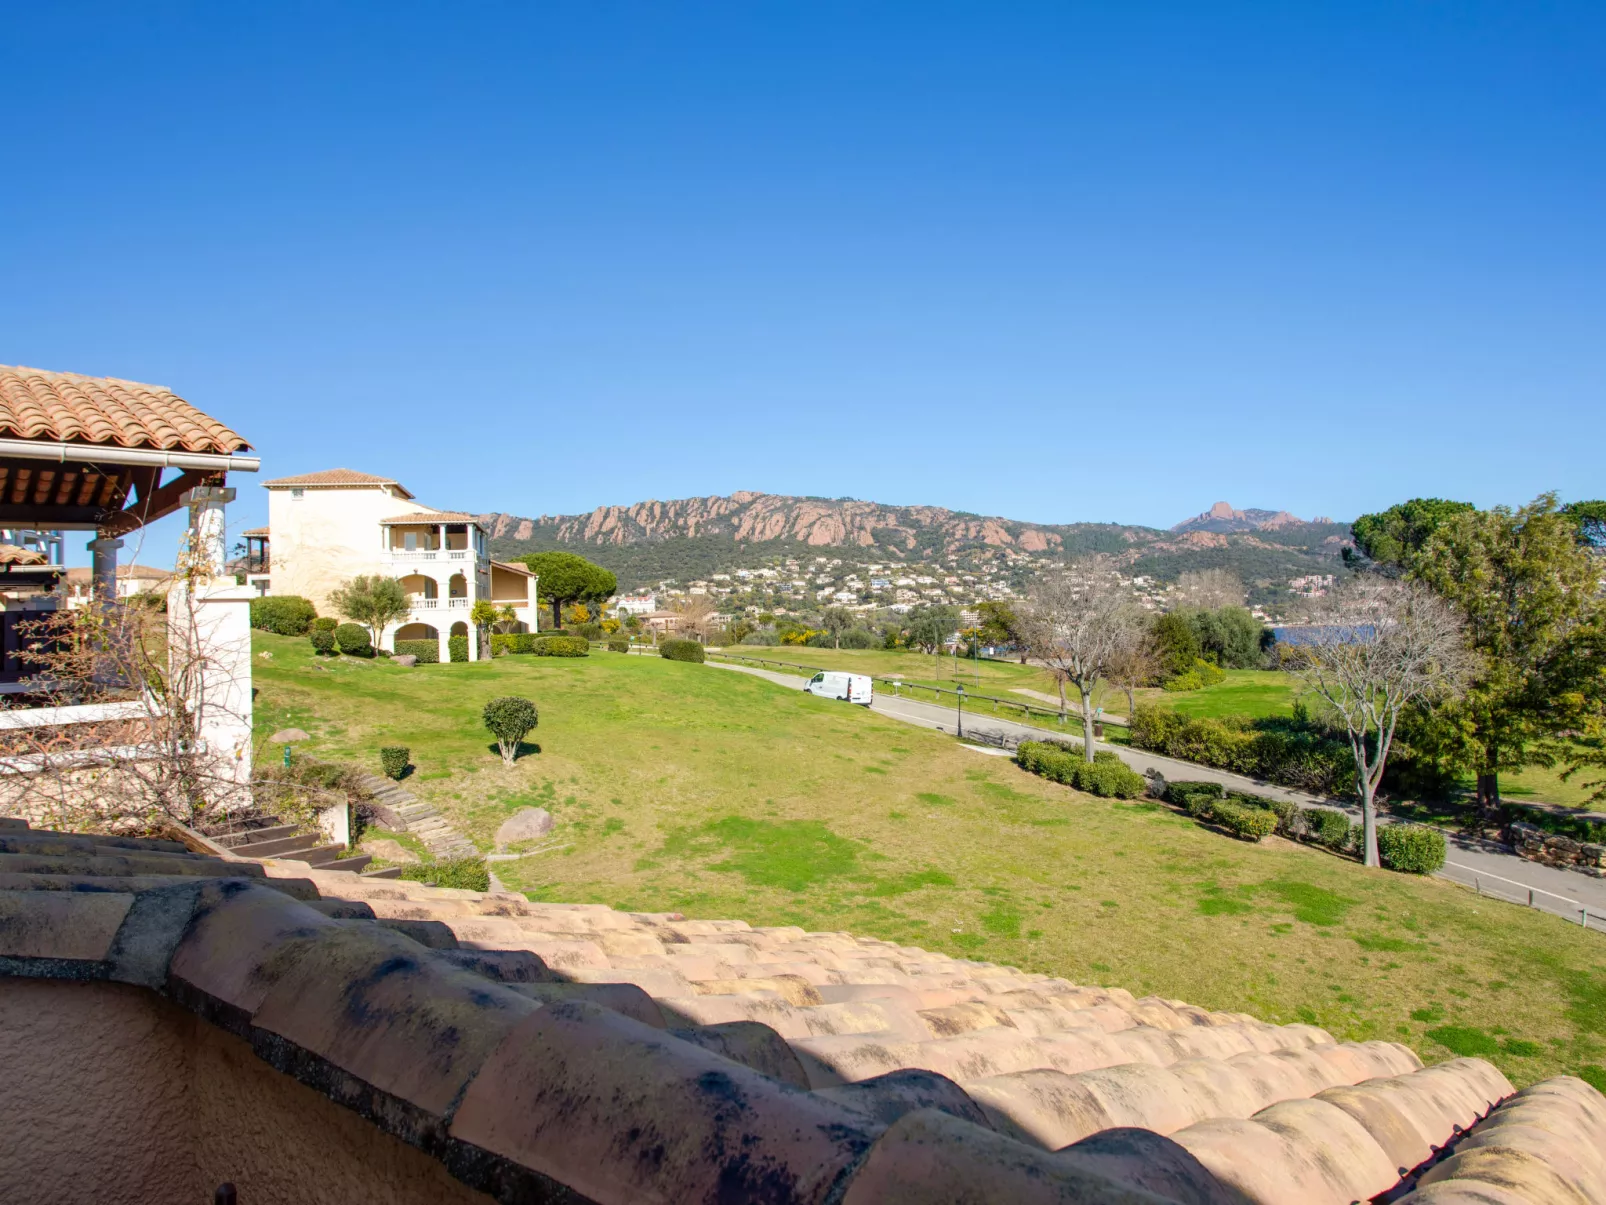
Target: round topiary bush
[(393, 760), (681, 650), (352, 640), (282, 614), (323, 641), (1411, 848), (325, 623), (510, 719), (618, 646)]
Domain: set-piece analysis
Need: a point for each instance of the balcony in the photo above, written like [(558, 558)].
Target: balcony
[(401, 554)]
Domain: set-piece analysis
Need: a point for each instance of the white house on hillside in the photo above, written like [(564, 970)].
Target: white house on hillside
[(328, 527)]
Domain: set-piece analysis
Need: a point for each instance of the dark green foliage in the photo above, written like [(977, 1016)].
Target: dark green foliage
[(323, 641), (1394, 536), (1293, 751), (324, 623), (681, 650), (1229, 636), (1578, 828), (567, 578), (283, 614), (510, 719), (930, 626), (1195, 798), (588, 631), (428, 652), (1412, 848), (352, 640), (617, 645), (457, 648), (393, 760), (860, 638), (1326, 827), (465, 874), (1243, 819), (1590, 519), (1060, 761), (1176, 643), (561, 646)]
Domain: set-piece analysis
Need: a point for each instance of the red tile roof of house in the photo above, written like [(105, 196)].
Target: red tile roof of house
[(335, 478), (67, 407), (432, 516), (628, 1056), (254, 533)]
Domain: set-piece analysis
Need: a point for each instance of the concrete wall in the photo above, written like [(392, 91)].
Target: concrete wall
[(328, 536), (111, 1094)]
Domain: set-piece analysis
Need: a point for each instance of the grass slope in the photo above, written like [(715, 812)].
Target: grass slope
[(687, 787)]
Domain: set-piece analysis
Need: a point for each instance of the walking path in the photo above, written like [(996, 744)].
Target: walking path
[(1484, 865), (405, 812), (1042, 696)]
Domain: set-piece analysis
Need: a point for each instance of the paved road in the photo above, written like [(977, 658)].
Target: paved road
[(1484, 865)]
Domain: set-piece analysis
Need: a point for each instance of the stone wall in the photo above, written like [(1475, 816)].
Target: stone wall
[(1554, 850)]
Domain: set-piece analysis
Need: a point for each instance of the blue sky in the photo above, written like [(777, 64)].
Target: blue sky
[(1052, 261)]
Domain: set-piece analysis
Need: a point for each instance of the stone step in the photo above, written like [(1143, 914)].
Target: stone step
[(352, 865), (321, 856), (388, 872), (279, 848), (252, 836)]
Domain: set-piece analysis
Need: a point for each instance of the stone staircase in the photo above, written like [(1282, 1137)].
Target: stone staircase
[(269, 837), (401, 811)]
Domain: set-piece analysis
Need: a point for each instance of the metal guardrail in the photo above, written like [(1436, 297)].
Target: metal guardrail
[(1524, 894), (898, 686)]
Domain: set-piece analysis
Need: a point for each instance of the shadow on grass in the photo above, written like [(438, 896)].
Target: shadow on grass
[(525, 748)]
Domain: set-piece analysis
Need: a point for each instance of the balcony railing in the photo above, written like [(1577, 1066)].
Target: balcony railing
[(402, 554), (420, 603), (457, 602)]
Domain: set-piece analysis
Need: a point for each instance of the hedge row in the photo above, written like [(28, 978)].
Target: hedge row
[(283, 614), (1289, 751), (1062, 761), (428, 652), (540, 644), (1409, 848), (681, 650)]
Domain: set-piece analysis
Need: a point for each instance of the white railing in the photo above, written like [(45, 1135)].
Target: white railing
[(400, 554), (83, 713), (425, 604), (457, 602), (457, 556)]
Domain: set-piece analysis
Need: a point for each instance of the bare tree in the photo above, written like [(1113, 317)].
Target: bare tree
[(1136, 663), (696, 613), (1380, 645), (1076, 623), (1211, 589)]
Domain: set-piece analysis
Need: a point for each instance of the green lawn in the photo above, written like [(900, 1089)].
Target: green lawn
[(680, 786)]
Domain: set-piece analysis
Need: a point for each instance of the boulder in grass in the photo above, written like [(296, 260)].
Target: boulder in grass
[(407, 659), (526, 824)]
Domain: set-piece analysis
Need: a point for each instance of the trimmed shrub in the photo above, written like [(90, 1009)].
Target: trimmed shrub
[(1244, 820), (469, 874), (1412, 848), (352, 640), (1062, 762), (681, 650), (1183, 682), (510, 719), (324, 623), (457, 648), (428, 652), (323, 641), (618, 646), (1327, 827), (283, 614), (561, 646), (393, 760)]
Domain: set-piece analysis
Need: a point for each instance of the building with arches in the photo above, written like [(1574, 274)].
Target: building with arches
[(328, 527)]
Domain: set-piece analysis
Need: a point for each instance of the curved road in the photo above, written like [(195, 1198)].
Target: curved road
[(1483, 865)]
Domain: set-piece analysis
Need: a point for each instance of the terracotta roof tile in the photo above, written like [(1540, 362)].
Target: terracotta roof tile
[(70, 408), (432, 516), (10, 554), (255, 531), (540, 1056), (335, 477)]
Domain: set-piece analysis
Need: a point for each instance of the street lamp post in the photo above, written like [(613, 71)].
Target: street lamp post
[(959, 729)]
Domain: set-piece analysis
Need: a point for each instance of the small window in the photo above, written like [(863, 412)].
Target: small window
[(297, 495), (410, 541)]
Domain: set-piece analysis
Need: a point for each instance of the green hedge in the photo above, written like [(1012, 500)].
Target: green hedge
[(324, 623), (428, 652), (457, 648), (1412, 848), (283, 614), (1062, 761), (681, 650), (562, 646), (618, 646), (323, 640), (1244, 820), (470, 874), (1327, 827), (352, 639), (1292, 751)]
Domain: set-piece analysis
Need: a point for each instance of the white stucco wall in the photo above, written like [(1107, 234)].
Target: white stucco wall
[(328, 536)]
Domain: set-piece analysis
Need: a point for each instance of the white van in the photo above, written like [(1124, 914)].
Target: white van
[(854, 688)]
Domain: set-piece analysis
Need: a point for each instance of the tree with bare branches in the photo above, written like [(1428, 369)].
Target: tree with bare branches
[(1136, 663), (1077, 622), (1380, 645), (1210, 589), (696, 614)]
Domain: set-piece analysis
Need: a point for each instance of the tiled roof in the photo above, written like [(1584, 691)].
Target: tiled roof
[(335, 478), (10, 554), (433, 516), (69, 408), (254, 533), (643, 1056), (514, 567)]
